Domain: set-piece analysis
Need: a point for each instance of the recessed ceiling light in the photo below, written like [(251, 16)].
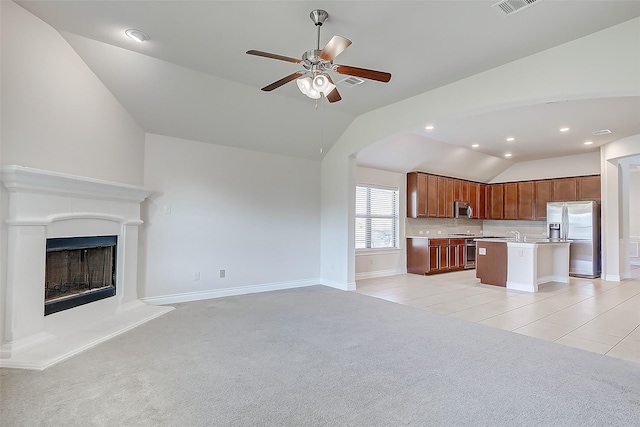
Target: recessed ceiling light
[(429, 127), (475, 145), (508, 155), (510, 139), (564, 129), (588, 143), (136, 35)]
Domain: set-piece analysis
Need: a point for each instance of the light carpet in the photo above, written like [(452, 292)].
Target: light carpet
[(317, 356)]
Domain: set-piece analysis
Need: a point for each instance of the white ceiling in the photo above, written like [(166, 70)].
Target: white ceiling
[(193, 80)]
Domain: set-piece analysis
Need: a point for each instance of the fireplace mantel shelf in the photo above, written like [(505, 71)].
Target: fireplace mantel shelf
[(22, 178)]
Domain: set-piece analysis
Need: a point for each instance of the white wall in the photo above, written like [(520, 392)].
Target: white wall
[(557, 167), (255, 215), (56, 114), (564, 72), (615, 206), (377, 263), (634, 216)]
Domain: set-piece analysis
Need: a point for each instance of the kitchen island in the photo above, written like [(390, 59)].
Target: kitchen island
[(526, 264)]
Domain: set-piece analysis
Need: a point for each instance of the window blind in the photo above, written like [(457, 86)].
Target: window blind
[(376, 217)]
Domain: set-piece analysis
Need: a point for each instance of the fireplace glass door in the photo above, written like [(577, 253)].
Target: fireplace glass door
[(79, 270)]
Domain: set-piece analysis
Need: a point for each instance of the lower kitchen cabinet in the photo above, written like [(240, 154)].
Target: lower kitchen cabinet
[(432, 256)]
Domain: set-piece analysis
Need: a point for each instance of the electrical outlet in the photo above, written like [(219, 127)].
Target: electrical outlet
[(223, 274), (167, 209), (196, 275), (421, 232), (439, 232), (426, 232)]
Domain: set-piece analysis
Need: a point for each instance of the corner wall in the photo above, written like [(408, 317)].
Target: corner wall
[(254, 215)]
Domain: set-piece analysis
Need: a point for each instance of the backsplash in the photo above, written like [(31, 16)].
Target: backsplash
[(442, 227)]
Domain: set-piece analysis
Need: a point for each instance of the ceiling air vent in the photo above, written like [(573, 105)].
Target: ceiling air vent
[(601, 132), (351, 82), (509, 7)]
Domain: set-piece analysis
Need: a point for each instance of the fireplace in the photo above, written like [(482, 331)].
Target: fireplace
[(71, 241), (79, 270)]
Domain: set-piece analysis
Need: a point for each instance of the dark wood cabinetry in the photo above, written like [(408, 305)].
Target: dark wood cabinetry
[(433, 256), (542, 191), (564, 190), (495, 204), (432, 196), (526, 200), (510, 208), (588, 188)]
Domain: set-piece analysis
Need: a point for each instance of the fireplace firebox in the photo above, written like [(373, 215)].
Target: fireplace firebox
[(78, 271)]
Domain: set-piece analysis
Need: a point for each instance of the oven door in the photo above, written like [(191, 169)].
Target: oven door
[(470, 254)]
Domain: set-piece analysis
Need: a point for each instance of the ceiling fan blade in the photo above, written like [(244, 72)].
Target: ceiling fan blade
[(334, 95), (282, 81), (335, 47), (273, 56), (363, 72)]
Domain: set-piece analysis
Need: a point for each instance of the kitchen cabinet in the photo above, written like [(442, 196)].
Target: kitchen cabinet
[(588, 188), (433, 256), (510, 209), (461, 190), (542, 190), (526, 200), (495, 204), (442, 197), (564, 190), (449, 198), (417, 195), (432, 196), (491, 262)]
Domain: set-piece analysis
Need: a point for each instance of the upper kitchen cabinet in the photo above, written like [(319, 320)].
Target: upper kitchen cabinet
[(495, 204), (588, 188), (432, 196), (510, 208), (564, 190), (526, 200), (542, 191), (477, 199), (416, 195)]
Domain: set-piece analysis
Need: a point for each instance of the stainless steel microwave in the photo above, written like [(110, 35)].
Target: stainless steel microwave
[(462, 210)]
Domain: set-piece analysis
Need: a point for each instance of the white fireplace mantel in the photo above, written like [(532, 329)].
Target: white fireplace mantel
[(45, 204)]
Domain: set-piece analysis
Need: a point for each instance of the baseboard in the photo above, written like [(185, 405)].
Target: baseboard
[(611, 277), (341, 286), (379, 273), (228, 292)]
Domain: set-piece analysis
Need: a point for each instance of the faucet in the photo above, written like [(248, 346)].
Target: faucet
[(516, 234)]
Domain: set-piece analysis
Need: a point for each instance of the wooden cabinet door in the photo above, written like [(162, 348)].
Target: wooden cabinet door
[(432, 196), (526, 200), (589, 188), (442, 197), (542, 190), (482, 203), (449, 198), (464, 195), (495, 204), (457, 189), (453, 257), (443, 258), (510, 200), (564, 190), (416, 195), (417, 256), (434, 257), (474, 199)]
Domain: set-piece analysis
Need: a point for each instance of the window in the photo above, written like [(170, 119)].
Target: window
[(376, 217)]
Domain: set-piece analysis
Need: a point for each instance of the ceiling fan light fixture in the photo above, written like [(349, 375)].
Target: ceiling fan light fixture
[(312, 93), (320, 82), (304, 84)]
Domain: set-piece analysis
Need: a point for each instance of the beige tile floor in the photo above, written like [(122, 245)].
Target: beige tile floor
[(593, 315)]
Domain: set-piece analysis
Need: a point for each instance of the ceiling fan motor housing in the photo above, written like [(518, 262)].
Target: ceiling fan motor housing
[(318, 16)]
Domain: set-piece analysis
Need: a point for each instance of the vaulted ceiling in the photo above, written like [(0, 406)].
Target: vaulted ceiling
[(193, 79)]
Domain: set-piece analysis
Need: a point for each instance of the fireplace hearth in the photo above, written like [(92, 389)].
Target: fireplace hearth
[(79, 270)]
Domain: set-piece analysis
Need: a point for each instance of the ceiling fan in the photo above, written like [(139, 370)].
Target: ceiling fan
[(314, 80)]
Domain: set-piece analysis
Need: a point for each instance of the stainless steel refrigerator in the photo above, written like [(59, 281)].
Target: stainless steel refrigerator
[(578, 222)]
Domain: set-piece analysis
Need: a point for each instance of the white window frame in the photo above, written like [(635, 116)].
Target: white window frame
[(395, 217)]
